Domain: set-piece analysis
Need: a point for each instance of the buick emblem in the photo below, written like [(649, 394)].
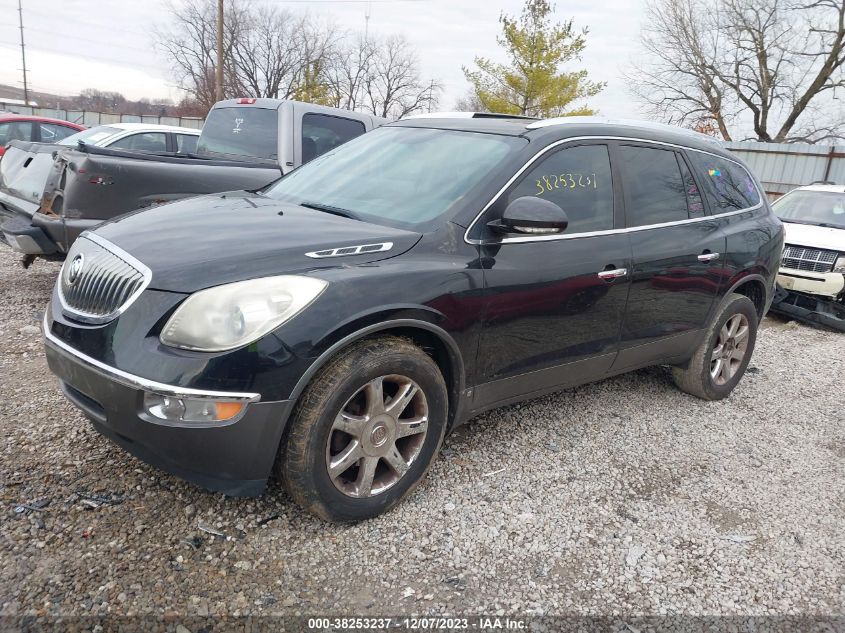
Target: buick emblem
[(75, 270)]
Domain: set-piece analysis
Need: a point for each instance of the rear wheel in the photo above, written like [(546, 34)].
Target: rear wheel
[(365, 431), (720, 361)]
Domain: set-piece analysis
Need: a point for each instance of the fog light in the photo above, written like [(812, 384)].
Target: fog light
[(200, 410)]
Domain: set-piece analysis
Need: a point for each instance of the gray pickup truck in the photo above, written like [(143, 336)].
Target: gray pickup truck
[(48, 196)]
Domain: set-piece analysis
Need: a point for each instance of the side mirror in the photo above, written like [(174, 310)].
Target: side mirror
[(531, 215)]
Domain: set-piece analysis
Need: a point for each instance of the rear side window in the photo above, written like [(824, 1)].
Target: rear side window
[(15, 131), (655, 191), (241, 132), (727, 186), (578, 180), (146, 142), (186, 143), (321, 133), (53, 132)]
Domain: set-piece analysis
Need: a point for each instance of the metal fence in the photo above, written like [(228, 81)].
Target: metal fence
[(782, 167), (90, 119)]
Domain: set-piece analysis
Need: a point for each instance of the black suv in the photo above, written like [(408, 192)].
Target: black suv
[(341, 321)]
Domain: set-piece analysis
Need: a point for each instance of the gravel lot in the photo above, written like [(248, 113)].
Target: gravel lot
[(620, 498)]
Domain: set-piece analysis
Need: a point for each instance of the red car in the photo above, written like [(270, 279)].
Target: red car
[(17, 127)]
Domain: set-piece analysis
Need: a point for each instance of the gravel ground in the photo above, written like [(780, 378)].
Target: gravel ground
[(623, 497)]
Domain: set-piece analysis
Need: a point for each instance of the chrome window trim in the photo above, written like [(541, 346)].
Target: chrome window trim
[(647, 227), (96, 319), (137, 382)]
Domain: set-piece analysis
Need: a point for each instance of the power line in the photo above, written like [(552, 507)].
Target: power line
[(102, 60)]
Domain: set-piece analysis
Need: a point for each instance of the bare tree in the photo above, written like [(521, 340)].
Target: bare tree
[(470, 103), (268, 50), (771, 65), (273, 52), (382, 76)]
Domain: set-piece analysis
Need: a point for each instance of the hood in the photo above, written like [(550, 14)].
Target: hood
[(815, 236), (211, 240)]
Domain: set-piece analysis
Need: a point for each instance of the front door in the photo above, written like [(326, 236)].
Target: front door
[(678, 255), (554, 303)]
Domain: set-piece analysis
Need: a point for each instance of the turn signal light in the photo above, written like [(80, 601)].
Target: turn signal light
[(198, 410)]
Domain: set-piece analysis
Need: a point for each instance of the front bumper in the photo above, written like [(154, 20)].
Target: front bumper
[(235, 458), (827, 285), (811, 309)]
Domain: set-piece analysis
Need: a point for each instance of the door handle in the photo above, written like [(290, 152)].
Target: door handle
[(708, 257), (607, 275)]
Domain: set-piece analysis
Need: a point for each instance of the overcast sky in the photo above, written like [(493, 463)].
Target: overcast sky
[(76, 44)]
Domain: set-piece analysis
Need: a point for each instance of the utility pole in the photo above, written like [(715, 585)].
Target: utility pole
[(23, 55), (219, 75), (367, 13)]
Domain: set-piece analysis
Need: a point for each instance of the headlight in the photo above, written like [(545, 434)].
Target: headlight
[(839, 266), (232, 315)]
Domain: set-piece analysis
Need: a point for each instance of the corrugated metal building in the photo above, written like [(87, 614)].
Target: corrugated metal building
[(782, 167)]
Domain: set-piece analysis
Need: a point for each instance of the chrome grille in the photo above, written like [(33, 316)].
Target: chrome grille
[(98, 280), (811, 259)]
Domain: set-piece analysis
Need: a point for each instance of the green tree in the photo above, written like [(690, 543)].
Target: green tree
[(533, 83), (312, 87)]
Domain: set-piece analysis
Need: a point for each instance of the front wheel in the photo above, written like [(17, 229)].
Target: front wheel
[(720, 361), (365, 431)]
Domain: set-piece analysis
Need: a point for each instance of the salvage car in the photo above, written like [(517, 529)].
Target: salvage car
[(137, 137), (37, 129), (245, 143), (812, 271), (339, 322)]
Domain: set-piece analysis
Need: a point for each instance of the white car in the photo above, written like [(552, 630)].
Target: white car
[(812, 271), (138, 137)]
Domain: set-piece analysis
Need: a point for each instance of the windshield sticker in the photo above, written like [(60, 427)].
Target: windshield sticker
[(237, 128), (565, 181), (716, 173)]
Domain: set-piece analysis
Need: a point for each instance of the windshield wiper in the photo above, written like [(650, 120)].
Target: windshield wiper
[(344, 213)]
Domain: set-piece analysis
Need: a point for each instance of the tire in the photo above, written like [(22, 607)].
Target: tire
[(697, 377), (339, 439)]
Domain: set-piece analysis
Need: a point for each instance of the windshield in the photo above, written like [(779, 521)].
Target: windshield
[(403, 176), (824, 208), (240, 132), (92, 136)]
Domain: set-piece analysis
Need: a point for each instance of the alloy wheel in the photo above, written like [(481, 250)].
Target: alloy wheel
[(377, 436), (729, 350)]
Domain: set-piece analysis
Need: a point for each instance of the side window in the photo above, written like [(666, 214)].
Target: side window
[(53, 133), (655, 192), (578, 180), (727, 186), (186, 143), (146, 142), (321, 133), (15, 131)]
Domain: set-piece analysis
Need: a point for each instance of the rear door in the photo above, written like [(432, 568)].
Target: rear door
[(677, 251)]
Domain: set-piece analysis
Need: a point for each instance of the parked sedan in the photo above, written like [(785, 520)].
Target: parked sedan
[(138, 137), (338, 323), (17, 127)]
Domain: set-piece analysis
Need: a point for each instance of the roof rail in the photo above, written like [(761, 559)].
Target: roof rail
[(572, 120), (822, 182), (468, 115)]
